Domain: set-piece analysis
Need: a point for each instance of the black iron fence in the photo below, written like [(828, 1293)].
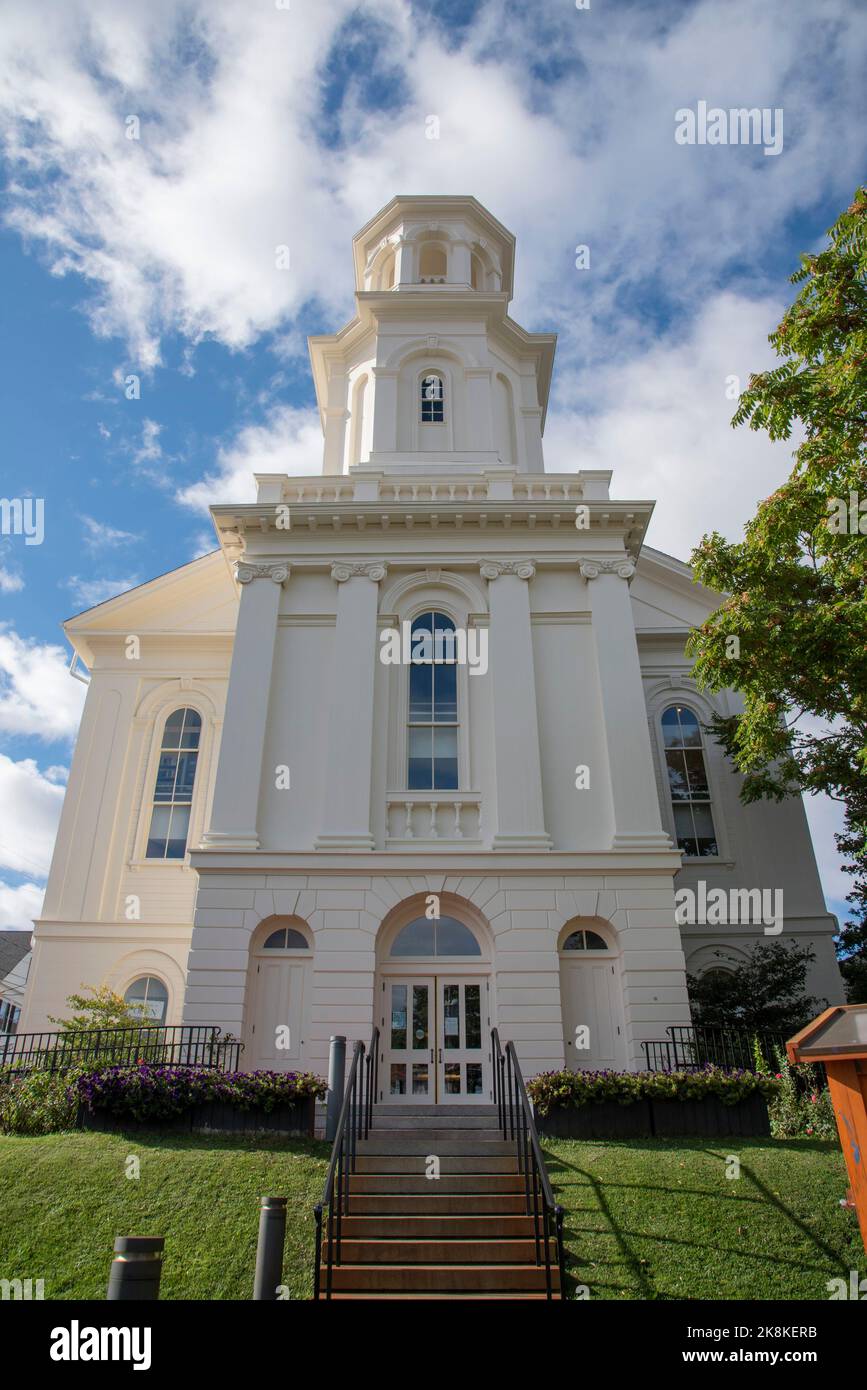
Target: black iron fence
[(189, 1045), (691, 1047)]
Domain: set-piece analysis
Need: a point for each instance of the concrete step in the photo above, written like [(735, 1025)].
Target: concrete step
[(449, 1163), (439, 1252), (395, 1142), (483, 1183), (445, 1118), (386, 1203), (428, 1296), (418, 1111), (442, 1278), (437, 1227)]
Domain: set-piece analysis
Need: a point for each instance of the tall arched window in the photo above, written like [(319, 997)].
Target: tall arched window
[(687, 783), (173, 793), (432, 726), (149, 998), (433, 400)]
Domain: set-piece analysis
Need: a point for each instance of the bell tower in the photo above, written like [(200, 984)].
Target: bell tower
[(432, 375)]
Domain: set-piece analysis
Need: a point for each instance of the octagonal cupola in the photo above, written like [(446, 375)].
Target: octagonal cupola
[(448, 243)]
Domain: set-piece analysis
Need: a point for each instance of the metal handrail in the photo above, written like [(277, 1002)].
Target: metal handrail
[(515, 1115), (353, 1123), (690, 1047)]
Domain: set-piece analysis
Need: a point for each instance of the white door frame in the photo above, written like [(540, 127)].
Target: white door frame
[(437, 973), (578, 960)]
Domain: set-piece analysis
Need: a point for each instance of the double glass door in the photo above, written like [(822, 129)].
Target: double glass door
[(435, 1041)]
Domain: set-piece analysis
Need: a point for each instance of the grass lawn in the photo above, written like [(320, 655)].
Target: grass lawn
[(657, 1218), (644, 1219), (64, 1197)]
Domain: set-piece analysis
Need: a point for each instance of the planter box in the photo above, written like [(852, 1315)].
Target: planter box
[(749, 1118), (646, 1118), (605, 1120), (216, 1118)]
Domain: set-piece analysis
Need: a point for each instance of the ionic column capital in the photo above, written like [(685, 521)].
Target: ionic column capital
[(493, 569), (592, 568), (246, 572), (375, 570)]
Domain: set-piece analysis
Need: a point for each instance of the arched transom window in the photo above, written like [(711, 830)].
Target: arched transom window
[(173, 793), (443, 936), (149, 998), (583, 940), (433, 400), (687, 782), (432, 726), (286, 939)]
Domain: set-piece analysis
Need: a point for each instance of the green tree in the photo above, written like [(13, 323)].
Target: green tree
[(764, 992), (791, 631), (99, 1008)]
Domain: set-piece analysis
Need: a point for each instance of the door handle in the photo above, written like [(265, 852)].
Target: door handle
[(441, 1054), (431, 1054)]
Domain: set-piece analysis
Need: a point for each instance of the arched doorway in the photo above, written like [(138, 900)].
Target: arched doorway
[(278, 995), (434, 991), (591, 997)]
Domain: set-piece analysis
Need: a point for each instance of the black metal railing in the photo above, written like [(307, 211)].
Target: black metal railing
[(689, 1047), (353, 1123), (516, 1122), (191, 1045)]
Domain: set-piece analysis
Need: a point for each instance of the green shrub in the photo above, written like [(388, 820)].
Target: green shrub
[(802, 1105), (40, 1102), (552, 1089)]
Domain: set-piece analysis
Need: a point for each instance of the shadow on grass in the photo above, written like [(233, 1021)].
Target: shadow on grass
[(635, 1266)]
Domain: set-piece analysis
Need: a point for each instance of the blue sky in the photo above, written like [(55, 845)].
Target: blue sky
[(261, 126)]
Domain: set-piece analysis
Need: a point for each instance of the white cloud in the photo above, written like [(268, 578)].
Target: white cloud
[(99, 535), (20, 905), (37, 696), (27, 837), (10, 583), (825, 818), (87, 593), (290, 441)]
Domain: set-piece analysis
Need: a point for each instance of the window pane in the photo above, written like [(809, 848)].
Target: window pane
[(166, 770), (451, 1016), (704, 829), (574, 942), (474, 1078), (595, 942), (159, 832), (452, 1078), (690, 731), (416, 939), (420, 995), (174, 725), (420, 691), (186, 776), (454, 939), (420, 1079), (671, 728), (276, 941), (398, 1017), (677, 783), (698, 786), (445, 759), (398, 1079), (177, 844), (445, 694), (473, 1015), (420, 764), (683, 830)]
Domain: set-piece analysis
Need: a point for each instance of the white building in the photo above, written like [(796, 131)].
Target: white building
[(261, 810)]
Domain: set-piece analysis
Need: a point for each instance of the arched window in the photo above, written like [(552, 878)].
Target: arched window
[(149, 998), (445, 936), (286, 939), (687, 783), (433, 400), (432, 727), (584, 941), (173, 793)]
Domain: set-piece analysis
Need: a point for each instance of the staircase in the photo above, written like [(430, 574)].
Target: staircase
[(465, 1234)]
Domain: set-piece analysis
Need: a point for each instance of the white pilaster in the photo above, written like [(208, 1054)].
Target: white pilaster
[(637, 821), (239, 771), (520, 808), (346, 823)]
